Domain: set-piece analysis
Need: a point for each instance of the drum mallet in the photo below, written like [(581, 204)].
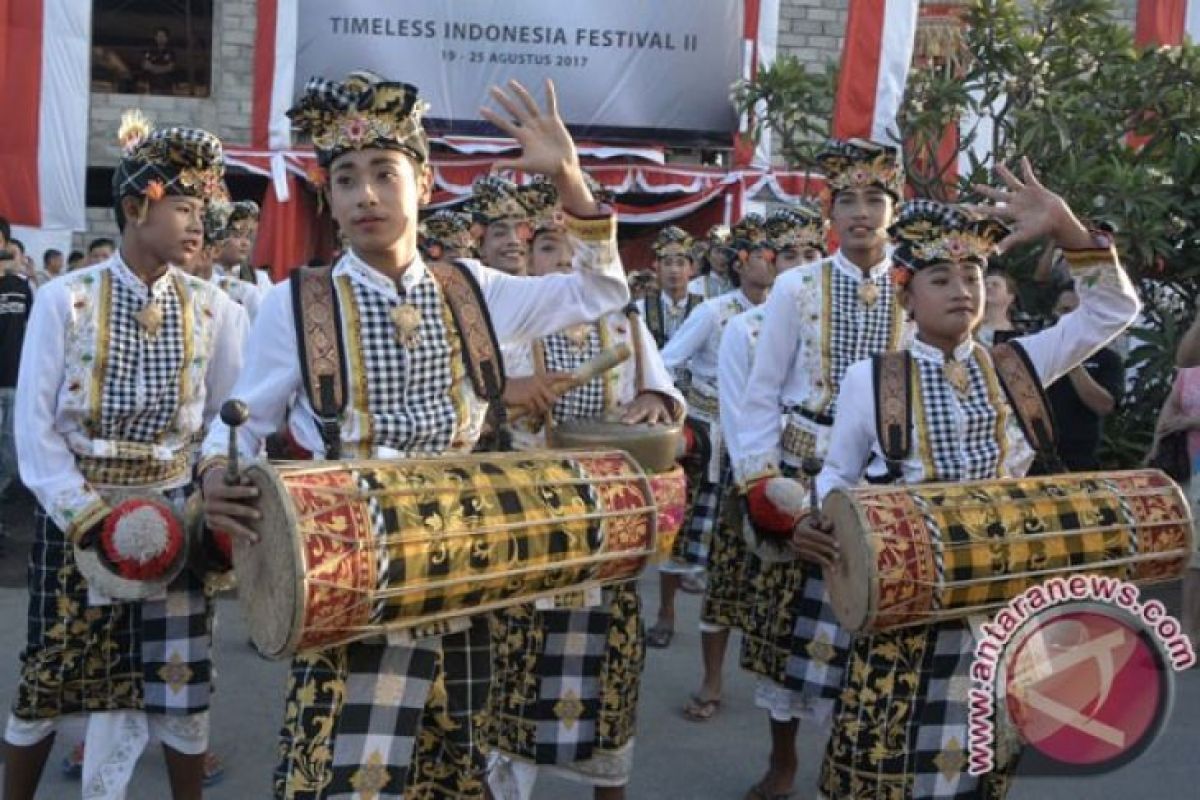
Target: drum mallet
[(811, 467), (603, 361), (234, 413)]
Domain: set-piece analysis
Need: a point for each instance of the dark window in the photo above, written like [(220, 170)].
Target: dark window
[(152, 47)]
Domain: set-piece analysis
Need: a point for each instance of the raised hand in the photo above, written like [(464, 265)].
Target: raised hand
[(1031, 211), (546, 146)]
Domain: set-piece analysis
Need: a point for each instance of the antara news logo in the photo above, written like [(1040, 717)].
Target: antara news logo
[(1080, 670)]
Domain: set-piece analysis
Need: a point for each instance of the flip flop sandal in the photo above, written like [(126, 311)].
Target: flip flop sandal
[(757, 792), (214, 770), (660, 637), (701, 710)]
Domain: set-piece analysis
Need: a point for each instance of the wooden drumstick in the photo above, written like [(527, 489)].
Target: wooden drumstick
[(602, 362), (606, 359)]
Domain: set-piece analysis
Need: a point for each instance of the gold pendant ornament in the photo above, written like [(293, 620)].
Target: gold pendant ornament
[(578, 335), (958, 376), (407, 319), (150, 318), (868, 293)]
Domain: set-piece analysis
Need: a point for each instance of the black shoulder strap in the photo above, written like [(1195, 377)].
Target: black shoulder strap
[(893, 406), (693, 300), (322, 351), (654, 319), (1028, 399), (481, 348)]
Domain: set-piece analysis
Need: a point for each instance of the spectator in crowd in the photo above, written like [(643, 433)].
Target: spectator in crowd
[(1000, 309), (159, 63), (52, 266), (1083, 397), (99, 250), (16, 298), (1181, 412), (108, 66), (74, 261), (21, 260)]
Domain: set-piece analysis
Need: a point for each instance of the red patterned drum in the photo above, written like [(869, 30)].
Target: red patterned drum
[(929, 552), (355, 549)]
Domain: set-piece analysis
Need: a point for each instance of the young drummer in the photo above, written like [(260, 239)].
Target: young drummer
[(820, 319), (226, 227), (123, 364), (715, 258), (798, 234), (691, 355), (899, 730), (446, 235), (397, 717), (567, 673), (502, 223), (666, 309)]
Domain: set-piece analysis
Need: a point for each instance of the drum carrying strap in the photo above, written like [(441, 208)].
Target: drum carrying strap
[(323, 352), (893, 404)]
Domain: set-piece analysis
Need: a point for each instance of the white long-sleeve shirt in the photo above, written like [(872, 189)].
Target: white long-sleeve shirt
[(815, 326), (96, 390), (735, 360), (521, 309), (1108, 304), (695, 345)]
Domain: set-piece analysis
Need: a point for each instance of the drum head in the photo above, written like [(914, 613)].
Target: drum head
[(269, 573), (851, 582), (652, 446)]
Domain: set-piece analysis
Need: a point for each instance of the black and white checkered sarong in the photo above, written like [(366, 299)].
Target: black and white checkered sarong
[(389, 719), (151, 655)]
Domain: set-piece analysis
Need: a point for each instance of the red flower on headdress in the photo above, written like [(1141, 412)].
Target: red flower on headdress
[(768, 255), (355, 129), (155, 190), (901, 276), (317, 175), (524, 231)]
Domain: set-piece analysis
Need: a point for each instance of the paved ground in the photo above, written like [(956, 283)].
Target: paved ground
[(676, 759)]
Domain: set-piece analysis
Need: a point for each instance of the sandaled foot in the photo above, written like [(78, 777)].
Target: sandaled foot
[(700, 709), (660, 636), (758, 792), (214, 769)]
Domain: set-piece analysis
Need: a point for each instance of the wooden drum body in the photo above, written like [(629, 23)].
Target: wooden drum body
[(930, 552), (356, 549)]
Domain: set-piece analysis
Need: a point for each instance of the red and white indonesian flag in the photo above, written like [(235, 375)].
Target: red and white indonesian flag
[(875, 63), (43, 135), (1166, 22)]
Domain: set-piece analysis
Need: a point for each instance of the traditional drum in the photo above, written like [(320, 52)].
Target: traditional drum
[(654, 447), (929, 552), (355, 549)]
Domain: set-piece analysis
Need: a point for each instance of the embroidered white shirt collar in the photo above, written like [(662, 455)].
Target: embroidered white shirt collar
[(928, 352), (353, 265), (854, 271)]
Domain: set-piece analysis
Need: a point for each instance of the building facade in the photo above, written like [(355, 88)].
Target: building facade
[(220, 101)]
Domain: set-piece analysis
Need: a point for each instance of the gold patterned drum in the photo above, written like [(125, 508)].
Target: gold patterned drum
[(654, 447), (355, 549), (930, 552)]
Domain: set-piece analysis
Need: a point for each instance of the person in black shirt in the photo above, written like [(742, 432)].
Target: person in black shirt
[(159, 63), (16, 298), (1083, 397)]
